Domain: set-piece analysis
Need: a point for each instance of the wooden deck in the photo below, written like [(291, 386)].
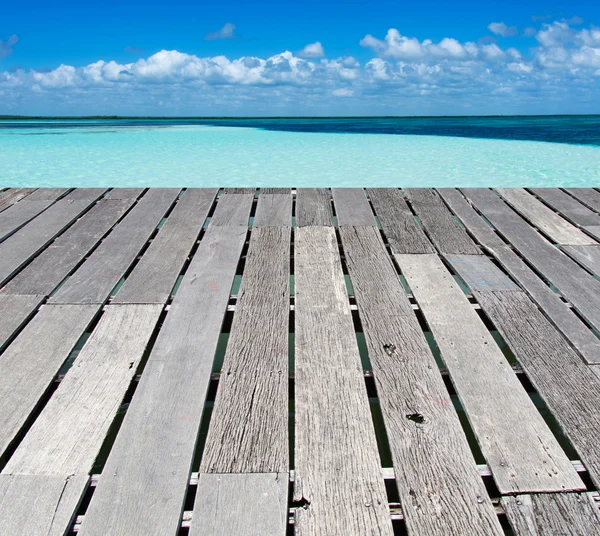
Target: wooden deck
[(312, 362)]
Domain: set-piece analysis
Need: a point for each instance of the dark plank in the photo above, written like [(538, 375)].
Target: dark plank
[(313, 207), (14, 312), (240, 191), (232, 209), (11, 196), (155, 275), (568, 206), (440, 489), (273, 210), (478, 272), (588, 196), (16, 216), (398, 222), (50, 194), (124, 193), (588, 256), (352, 207), (275, 191), (337, 466), (98, 275), (553, 514), (441, 227)]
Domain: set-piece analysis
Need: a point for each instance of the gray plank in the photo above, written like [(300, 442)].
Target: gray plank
[(275, 191), (595, 369), (594, 230), (545, 219), (588, 256), (11, 196), (232, 209), (30, 364), (562, 316), (54, 264), (13, 218), (519, 448), (98, 275), (568, 386), (67, 435), (440, 489), (249, 424), (588, 196), (16, 250), (84, 194), (50, 194), (145, 479), (313, 207), (14, 312), (554, 514), (568, 206), (252, 504), (124, 193), (240, 191), (39, 505), (273, 210), (441, 227), (352, 207), (478, 272), (337, 466), (398, 222), (574, 283), (155, 275)]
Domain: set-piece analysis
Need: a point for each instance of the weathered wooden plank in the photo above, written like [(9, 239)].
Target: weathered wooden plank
[(582, 338), (11, 196), (155, 275), (480, 273), (84, 194), (273, 210), (313, 207), (589, 256), (145, 478), (16, 250), (39, 505), (124, 193), (440, 489), (352, 207), (239, 191), (337, 466), (275, 191), (249, 425), (67, 435), (441, 227), (30, 364), (52, 265), (520, 449), (232, 210), (98, 275), (568, 206), (588, 196), (398, 222), (14, 312), (15, 217), (567, 385), (548, 221), (574, 283), (50, 194), (251, 504), (553, 514)]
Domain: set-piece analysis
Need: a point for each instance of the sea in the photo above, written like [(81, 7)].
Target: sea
[(533, 151)]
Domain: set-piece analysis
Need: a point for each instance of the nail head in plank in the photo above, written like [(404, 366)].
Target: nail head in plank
[(352, 207), (273, 210), (313, 207), (218, 509), (14, 312), (516, 442), (337, 466), (569, 207)]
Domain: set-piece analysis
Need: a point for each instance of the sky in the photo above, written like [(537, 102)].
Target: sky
[(272, 58)]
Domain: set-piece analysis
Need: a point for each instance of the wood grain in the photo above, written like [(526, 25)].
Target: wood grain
[(9, 197), (588, 196), (14, 312), (352, 207), (273, 210), (313, 207), (569, 207), (588, 256)]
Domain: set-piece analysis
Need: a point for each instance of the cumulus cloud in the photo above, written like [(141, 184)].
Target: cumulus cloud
[(224, 33), (313, 50), (501, 29), (6, 47)]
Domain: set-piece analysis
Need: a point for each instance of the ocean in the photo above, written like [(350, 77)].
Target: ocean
[(532, 151)]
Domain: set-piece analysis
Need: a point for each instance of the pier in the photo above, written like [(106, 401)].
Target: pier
[(278, 361)]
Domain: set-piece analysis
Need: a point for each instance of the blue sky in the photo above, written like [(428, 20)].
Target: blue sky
[(273, 58)]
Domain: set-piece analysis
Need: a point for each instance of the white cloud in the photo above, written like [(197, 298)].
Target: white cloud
[(343, 92), (6, 47), (224, 33), (313, 50), (499, 28)]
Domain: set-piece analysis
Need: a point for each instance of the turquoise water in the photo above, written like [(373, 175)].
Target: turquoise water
[(184, 153)]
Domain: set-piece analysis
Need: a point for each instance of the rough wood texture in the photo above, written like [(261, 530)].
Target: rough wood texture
[(124, 193), (155, 275), (232, 209), (217, 510), (10, 197), (582, 338), (398, 222), (337, 466), (249, 425), (275, 191), (32, 361), (578, 286), (273, 210), (568, 206), (50, 194), (313, 207), (98, 275), (24, 244), (352, 207), (567, 385), (555, 514), (39, 505), (85, 194), (440, 489), (145, 479), (519, 448), (55, 263), (240, 191), (441, 227), (13, 218), (557, 228), (68, 434), (589, 256), (588, 196), (14, 312)]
